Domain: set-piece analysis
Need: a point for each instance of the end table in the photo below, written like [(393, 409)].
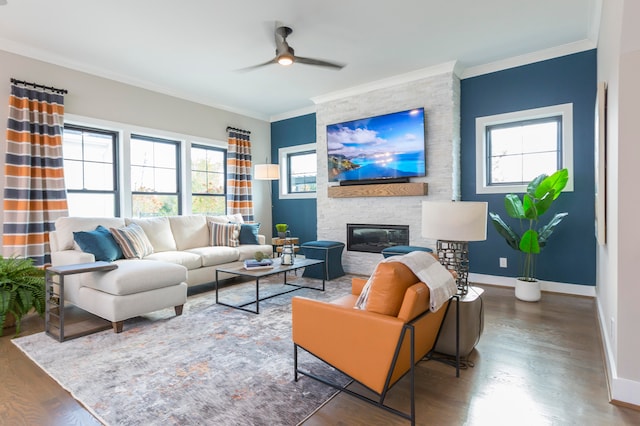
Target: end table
[(277, 244), (471, 324), (54, 303)]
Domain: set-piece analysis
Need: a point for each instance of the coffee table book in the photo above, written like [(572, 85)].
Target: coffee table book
[(251, 264)]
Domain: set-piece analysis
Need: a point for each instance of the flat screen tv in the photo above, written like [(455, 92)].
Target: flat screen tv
[(390, 146)]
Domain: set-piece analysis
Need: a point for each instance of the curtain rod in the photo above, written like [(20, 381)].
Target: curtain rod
[(238, 130), (39, 86)]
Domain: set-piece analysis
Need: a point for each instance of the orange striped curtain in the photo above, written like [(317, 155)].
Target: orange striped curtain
[(239, 199), (34, 191)]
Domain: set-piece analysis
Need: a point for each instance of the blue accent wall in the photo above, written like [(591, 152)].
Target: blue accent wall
[(570, 255), (299, 214)]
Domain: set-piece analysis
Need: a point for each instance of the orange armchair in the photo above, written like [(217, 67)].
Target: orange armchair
[(374, 345)]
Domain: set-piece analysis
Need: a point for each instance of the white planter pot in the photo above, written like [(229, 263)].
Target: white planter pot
[(528, 291)]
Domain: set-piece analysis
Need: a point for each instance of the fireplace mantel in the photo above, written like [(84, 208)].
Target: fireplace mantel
[(378, 190)]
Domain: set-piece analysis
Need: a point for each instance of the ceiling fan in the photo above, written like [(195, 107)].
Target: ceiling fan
[(285, 54)]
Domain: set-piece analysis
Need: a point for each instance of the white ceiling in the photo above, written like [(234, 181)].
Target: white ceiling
[(192, 48)]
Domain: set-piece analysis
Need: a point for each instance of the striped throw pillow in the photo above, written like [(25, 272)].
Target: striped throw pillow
[(225, 234), (133, 241)]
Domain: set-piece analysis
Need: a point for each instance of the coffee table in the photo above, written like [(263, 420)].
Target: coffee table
[(278, 268)]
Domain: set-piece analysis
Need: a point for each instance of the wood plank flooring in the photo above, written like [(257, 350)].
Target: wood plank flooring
[(536, 364)]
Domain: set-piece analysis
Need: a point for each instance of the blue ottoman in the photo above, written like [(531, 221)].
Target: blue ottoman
[(330, 252), (400, 250)]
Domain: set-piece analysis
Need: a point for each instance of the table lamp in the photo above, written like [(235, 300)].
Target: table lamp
[(453, 224)]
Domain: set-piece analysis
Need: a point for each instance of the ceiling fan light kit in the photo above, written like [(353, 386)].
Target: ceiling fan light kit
[(285, 60)]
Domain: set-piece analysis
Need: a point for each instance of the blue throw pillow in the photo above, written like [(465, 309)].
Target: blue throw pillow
[(100, 243), (249, 233)]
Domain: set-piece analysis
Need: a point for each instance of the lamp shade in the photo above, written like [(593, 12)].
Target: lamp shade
[(267, 172), (454, 220)]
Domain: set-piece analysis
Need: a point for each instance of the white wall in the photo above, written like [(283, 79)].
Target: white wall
[(100, 98), (628, 195), (617, 282), (440, 97)]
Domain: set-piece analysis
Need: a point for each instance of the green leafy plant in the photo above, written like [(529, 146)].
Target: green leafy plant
[(282, 227), (21, 289), (259, 256), (541, 193)]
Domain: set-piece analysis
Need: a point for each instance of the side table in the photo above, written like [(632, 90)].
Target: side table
[(54, 303), (471, 324), (277, 244)]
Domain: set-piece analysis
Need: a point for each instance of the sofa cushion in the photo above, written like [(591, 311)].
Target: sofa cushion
[(133, 241), (184, 258), (226, 218), (158, 230), (136, 276), (249, 233), (218, 219), (100, 243), (189, 231), (66, 226), (212, 256), (224, 234), (384, 292)]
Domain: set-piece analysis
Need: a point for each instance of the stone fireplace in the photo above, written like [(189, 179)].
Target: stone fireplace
[(439, 93)]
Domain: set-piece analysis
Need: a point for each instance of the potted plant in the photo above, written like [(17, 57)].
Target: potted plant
[(22, 289), (541, 192), (282, 229)]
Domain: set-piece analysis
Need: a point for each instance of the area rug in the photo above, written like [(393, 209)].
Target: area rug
[(213, 365)]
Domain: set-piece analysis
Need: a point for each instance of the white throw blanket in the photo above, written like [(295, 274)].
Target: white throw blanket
[(441, 284)]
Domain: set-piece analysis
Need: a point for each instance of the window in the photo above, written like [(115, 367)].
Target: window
[(298, 170), (518, 152), (154, 177), (91, 175), (208, 180), (116, 169), (514, 148), (302, 167)]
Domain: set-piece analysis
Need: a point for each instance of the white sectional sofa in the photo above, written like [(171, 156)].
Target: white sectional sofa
[(182, 255)]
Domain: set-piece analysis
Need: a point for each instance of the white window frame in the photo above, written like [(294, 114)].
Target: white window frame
[(223, 195), (563, 110), (283, 153), (124, 131)]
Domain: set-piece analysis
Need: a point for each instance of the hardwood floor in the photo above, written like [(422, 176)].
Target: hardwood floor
[(536, 364), (28, 396)]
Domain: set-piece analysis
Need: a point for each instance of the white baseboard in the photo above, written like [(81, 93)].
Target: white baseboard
[(555, 287), (620, 390)]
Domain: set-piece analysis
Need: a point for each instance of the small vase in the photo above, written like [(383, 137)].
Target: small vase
[(528, 291), (282, 234)]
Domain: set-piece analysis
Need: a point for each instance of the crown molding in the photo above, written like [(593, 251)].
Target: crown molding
[(530, 58), (294, 113), (447, 67), (44, 56)]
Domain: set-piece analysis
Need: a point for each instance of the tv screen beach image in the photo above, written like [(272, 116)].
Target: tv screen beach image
[(382, 147)]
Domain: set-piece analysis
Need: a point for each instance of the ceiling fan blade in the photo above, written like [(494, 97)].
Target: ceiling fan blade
[(319, 62), (252, 67)]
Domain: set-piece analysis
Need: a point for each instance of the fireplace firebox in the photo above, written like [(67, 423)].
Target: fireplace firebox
[(375, 238)]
